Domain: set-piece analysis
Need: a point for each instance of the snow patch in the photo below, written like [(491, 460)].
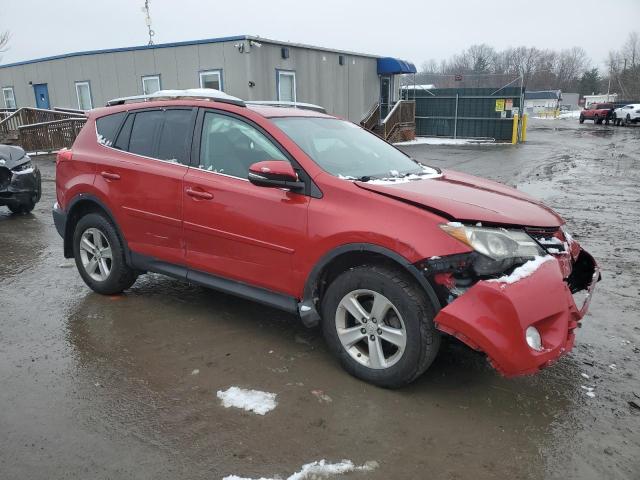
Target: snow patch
[(523, 271), (447, 141), (319, 469), (249, 400), (103, 141)]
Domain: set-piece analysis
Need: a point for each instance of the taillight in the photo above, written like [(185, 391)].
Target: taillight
[(64, 155)]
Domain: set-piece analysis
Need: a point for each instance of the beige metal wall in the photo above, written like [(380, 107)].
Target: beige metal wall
[(347, 90)]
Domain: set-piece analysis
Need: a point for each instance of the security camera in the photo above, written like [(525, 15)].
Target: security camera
[(253, 43)]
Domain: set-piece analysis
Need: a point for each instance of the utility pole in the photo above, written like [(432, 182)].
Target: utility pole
[(147, 19)]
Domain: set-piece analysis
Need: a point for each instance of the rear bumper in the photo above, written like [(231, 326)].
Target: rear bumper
[(492, 317)]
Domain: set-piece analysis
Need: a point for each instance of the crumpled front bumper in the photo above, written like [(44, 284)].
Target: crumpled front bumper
[(19, 187), (492, 317)]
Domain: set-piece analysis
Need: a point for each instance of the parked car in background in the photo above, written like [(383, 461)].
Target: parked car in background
[(627, 114), (20, 182), (319, 217), (598, 112)]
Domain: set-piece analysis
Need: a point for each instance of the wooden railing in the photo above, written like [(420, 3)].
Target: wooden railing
[(372, 118), (402, 115), (29, 116), (50, 136)]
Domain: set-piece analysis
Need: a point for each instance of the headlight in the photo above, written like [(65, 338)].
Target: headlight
[(23, 166), (500, 248)]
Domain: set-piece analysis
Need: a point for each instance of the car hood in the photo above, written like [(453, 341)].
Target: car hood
[(11, 156), (466, 198)]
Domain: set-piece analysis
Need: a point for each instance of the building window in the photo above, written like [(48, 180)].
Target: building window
[(9, 97), (83, 93), (211, 79), (286, 86), (150, 84)]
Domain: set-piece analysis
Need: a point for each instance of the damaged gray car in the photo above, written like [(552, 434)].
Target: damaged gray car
[(20, 182)]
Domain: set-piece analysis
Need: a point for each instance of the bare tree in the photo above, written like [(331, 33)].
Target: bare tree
[(631, 50), (430, 66), (4, 41), (570, 65)]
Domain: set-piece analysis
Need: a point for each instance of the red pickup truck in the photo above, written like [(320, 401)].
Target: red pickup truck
[(598, 112)]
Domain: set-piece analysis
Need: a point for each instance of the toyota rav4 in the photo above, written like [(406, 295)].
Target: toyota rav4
[(314, 215)]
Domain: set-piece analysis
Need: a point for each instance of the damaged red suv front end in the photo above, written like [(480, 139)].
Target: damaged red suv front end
[(526, 320)]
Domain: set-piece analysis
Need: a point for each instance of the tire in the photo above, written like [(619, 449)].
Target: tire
[(24, 207), (581, 119), (596, 120), (114, 275), (410, 313), (627, 121)]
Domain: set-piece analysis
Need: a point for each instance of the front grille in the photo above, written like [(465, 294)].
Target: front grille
[(5, 177), (551, 239)]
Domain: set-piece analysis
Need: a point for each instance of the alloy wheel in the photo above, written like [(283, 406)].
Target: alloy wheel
[(371, 329), (95, 253)]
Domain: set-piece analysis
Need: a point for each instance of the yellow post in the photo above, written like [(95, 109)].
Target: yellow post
[(514, 131), (523, 137)]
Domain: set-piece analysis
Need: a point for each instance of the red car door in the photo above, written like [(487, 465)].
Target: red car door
[(142, 176), (232, 228)]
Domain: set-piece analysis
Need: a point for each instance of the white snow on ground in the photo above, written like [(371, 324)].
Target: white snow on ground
[(570, 114), (319, 469), (447, 141), (523, 271), (249, 400)]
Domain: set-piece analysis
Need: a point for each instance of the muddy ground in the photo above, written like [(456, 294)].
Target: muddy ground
[(102, 387)]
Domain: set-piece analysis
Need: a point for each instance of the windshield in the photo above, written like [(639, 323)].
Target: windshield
[(346, 150)]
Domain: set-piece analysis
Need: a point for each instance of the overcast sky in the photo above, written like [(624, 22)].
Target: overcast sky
[(411, 29)]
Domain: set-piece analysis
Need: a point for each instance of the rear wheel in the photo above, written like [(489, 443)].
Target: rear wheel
[(99, 256), (379, 324)]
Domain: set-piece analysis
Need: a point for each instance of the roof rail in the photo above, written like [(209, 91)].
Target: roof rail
[(302, 106), (190, 93)]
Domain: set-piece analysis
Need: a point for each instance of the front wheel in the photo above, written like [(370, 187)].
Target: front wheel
[(24, 207), (581, 119), (99, 256), (379, 323)]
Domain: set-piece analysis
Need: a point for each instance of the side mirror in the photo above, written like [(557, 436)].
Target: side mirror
[(275, 174)]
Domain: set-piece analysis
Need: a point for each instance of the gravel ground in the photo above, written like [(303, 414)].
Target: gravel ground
[(125, 387)]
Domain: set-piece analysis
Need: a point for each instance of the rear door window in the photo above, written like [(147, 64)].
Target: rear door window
[(145, 131), (107, 128), (175, 138)]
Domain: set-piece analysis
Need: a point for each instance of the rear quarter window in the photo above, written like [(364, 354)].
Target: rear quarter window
[(107, 128)]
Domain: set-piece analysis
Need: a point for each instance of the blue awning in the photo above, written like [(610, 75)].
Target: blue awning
[(394, 66)]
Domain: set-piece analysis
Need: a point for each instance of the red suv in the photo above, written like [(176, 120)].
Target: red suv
[(314, 215)]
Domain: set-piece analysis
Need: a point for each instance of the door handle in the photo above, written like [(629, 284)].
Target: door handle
[(110, 175), (199, 194)]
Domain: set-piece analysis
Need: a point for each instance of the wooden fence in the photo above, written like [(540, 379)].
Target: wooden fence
[(29, 116), (50, 136)]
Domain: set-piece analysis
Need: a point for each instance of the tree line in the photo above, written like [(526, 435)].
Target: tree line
[(570, 70)]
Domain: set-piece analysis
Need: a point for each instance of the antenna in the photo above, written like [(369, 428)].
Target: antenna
[(147, 19)]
